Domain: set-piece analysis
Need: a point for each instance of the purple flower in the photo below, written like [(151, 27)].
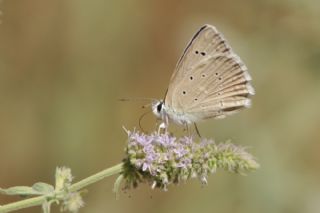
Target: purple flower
[(161, 159)]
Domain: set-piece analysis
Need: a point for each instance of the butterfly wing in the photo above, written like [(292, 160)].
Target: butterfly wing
[(210, 80)]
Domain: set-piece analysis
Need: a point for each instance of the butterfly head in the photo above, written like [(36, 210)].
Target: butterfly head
[(158, 108)]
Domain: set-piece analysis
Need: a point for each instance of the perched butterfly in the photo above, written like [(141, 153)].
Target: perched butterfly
[(209, 81)]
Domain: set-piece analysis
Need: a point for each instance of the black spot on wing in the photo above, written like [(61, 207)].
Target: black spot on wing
[(193, 38)]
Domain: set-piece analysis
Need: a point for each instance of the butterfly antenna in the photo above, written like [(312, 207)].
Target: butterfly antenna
[(141, 117), (140, 99), (137, 99), (146, 105)]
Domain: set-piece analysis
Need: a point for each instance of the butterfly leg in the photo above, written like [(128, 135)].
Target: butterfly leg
[(164, 125), (197, 130), (186, 128), (162, 128)]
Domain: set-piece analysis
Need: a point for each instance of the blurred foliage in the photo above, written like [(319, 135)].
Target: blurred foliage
[(64, 64)]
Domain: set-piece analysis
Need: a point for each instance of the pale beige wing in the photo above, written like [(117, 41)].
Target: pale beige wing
[(218, 86), (207, 42)]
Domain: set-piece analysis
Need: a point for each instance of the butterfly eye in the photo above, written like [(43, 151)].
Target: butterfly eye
[(196, 99), (191, 77), (216, 73), (184, 92), (203, 53), (159, 107), (196, 52)]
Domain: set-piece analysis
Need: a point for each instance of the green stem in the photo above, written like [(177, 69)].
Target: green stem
[(96, 177), (36, 201)]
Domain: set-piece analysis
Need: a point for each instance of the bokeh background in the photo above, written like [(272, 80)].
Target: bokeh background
[(64, 64)]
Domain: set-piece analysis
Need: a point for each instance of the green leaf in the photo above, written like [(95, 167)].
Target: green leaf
[(43, 188), (19, 190), (36, 189)]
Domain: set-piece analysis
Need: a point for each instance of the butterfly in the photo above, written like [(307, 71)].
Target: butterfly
[(209, 81)]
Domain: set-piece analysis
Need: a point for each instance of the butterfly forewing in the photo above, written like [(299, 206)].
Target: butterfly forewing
[(210, 80), (207, 41)]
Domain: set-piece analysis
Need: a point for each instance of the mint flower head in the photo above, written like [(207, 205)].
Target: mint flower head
[(161, 159)]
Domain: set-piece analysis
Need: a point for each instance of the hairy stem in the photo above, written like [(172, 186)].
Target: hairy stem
[(36, 201)]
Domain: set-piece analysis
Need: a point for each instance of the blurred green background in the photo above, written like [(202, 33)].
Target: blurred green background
[(64, 64)]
